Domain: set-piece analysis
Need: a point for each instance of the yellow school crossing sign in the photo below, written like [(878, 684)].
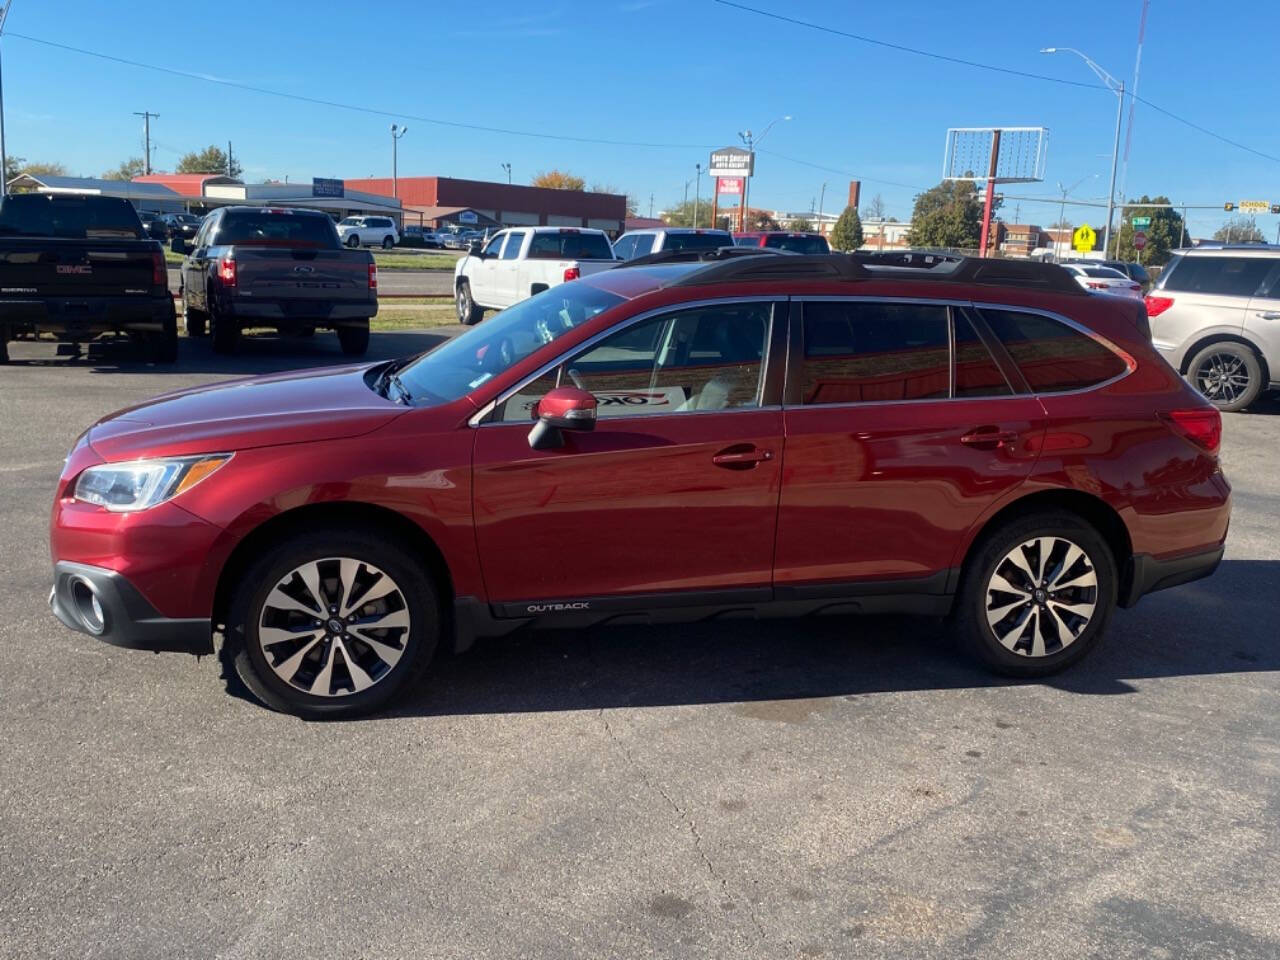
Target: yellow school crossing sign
[(1084, 238)]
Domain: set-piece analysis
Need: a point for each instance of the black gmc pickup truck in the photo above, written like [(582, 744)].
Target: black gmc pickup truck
[(77, 267)]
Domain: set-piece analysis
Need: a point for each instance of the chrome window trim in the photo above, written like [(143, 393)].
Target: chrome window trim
[(1130, 363), (477, 418)]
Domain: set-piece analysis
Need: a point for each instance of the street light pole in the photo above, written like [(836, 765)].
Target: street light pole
[(697, 190), (1116, 87), (4, 160), (751, 142), (397, 132), (507, 167)]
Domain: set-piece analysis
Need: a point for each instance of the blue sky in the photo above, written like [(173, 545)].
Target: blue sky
[(685, 72)]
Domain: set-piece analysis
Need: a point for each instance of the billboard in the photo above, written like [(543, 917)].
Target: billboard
[(325, 187), (729, 185), (732, 162)]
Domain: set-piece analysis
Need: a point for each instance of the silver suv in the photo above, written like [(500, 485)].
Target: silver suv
[(1215, 316)]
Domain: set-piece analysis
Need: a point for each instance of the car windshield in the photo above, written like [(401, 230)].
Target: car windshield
[(696, 241), (1103, 273), (798, 243), (454, 369), (252, 228)]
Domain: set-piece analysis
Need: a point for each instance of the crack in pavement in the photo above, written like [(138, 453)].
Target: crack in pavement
[(684, 818)]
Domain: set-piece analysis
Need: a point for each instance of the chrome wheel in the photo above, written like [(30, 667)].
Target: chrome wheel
[(1041, 596), (334, 627), (1222, 377)]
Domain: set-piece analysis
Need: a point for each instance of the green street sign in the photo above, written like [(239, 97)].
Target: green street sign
[(1141, 223)]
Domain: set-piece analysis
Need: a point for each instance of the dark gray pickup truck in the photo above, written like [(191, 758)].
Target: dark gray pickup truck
[(279, 268), (77, 267)]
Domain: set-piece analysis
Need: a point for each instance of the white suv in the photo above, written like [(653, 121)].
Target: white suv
[(1215, 316), (369, 232)]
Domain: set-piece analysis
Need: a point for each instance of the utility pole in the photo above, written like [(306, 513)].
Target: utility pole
[(228, 158), (651, 206), (4, 160), (822, 198), (507, 167), (397, 132), (698, 189), (146, 116)]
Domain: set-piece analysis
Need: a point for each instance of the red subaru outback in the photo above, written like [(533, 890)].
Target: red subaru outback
[(761, 433)]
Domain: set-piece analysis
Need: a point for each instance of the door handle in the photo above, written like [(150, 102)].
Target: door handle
[(1269, 315), (989, 437), (741, 457)]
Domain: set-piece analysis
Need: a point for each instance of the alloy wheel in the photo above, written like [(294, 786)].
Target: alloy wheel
[(334, 627), (1041, 596), (1222, 378)]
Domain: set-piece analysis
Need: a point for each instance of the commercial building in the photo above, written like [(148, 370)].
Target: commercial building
[(440, 201), (144, 196), (203, 191)]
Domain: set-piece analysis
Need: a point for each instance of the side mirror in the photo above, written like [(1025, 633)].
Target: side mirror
[(475, 248), (564, 408), (178, 245)]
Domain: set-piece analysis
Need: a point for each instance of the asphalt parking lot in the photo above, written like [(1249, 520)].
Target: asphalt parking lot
[(825, 788)]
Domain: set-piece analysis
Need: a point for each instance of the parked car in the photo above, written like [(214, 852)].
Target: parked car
[(640, 243), (418, 236), (278, 268), (784, 240), (978, 439), (523, 261), (368, 232), (1134, 271), (76, 267), (1104, 280), (153, 225), (1215, 315), (181, 226), (456, 239)]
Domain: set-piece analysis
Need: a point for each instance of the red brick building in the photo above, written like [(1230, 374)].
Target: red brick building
[(436, 201)]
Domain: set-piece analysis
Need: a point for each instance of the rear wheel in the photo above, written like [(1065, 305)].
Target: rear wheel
[(1036, 595), (332, 624), (163, 346), (354, 340), (194, 321), (1228, 374), (388, 242), (4, 344), (468, 312), (223, 329)]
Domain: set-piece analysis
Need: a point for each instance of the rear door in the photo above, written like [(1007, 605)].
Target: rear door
[(674, 492), (902, 430), (1262, 319), (1210, 294)]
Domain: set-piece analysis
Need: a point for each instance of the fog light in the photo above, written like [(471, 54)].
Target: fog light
[(87, 605)]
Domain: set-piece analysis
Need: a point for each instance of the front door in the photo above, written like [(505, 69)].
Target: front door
[(676, 489), (894, 451)]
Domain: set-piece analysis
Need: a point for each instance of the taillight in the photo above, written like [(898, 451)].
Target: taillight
[(159, 273), (571, 273), (373, 276), (1093, 285), (227, 271), (1157, 305), (1135, 286), (1202, 426)]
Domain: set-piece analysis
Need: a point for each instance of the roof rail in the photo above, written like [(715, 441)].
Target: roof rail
[(777, 265), (694, 256), (924, 264)]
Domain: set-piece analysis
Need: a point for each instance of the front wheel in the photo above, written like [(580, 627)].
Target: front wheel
[(468, 312), (1228, 374), (354, 340), (1036, 595), (332, 624), (194, 321), (353, 241)]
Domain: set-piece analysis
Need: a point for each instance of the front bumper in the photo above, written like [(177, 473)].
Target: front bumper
[(123, 616), (1146, 574)]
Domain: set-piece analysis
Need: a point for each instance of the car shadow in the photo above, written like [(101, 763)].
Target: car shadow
[(1213, 626), (258, 353)]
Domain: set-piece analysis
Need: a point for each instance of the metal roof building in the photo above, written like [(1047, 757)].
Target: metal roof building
[(152, 196)]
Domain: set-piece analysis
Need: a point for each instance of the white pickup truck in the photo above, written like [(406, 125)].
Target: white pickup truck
[(517, 263)]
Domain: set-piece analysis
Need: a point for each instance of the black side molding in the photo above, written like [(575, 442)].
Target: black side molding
[(1147, 574)]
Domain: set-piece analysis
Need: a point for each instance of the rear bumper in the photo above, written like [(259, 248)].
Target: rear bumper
[(122, 616), (76, 317), (1146, 574), (295, 311)]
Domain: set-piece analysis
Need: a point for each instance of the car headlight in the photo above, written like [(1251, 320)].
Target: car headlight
[(140, 484)]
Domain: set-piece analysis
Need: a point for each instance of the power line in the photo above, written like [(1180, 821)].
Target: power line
[(991, 67), (356, 108), (843, 173)]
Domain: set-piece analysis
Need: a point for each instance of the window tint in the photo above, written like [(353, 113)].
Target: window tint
[(697, 241), (874, 351), (569, 245), (493, 246), (977, 374), (800, 243), (624, 248), (1271, 289), (1232, 276), (1052, 356), (708, 358), (514, 242), (644, 245), (37, 215), (251, 228)]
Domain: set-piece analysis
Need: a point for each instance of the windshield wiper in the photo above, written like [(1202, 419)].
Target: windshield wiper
[(393, 380)]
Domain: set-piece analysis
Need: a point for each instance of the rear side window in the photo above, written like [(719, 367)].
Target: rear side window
[(696, 241), (570, 245), (977, 374), (1052, 356), (862, 352), (250, 228), (76, 218), (1227, 276), (804, 243)]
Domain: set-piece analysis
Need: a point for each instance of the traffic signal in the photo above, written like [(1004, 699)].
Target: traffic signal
[(1228, 207)]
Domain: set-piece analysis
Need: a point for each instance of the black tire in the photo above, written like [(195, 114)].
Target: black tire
[(163, 346), (353, 241), (388, 242), (4, 344), (195, 322), (416, 643), (1228, 374), (468, 312), (223, 329), (970, 618), (354, 340)]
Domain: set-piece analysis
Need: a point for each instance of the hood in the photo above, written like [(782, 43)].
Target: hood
[(295, 407)]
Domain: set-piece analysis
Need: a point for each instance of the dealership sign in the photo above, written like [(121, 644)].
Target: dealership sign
[(468, 216), (325, 187), (729, 185), (732, 162)]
